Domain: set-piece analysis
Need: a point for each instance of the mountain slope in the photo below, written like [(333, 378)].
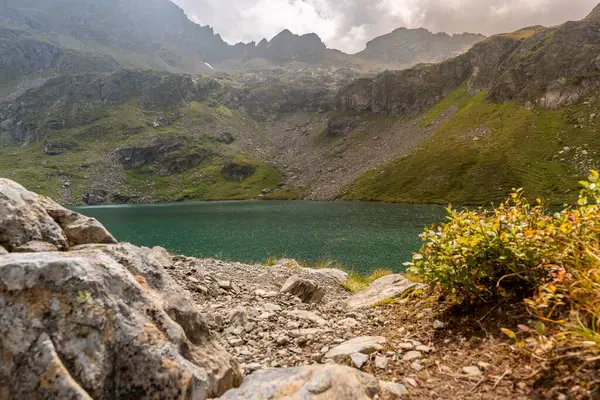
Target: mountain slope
[(525, 109), (153, 34)]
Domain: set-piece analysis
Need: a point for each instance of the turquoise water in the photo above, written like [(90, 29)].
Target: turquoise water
[(363, 236)]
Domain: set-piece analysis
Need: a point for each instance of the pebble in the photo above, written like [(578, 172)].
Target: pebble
[(437, 325), (424, 349), (411, 355), (412, 382), (397, 389), (472, 370), (416, 365), (359, 359), (483, 365), (381, 362), (253, 367)]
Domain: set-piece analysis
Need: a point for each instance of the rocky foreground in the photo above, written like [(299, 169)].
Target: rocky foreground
[(82, 316)]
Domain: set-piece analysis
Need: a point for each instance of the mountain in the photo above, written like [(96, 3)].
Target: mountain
[(75, 36), (87, 35), (408, 47), (515, 110)]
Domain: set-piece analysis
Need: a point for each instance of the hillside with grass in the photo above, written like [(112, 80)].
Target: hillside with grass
[(518, 110), (486, 149)]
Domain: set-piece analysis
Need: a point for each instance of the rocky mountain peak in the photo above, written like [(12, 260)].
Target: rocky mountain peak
[(407, 47), (594, 15)]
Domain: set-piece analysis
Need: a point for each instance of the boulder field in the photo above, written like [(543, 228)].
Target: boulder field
[(83, 316)]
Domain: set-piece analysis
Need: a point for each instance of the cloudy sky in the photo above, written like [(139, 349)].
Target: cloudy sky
[(348, 24)]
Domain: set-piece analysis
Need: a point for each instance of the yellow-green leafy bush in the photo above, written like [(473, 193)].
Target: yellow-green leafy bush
[(523, 250)]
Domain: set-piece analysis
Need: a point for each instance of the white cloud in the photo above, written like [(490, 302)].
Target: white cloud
[(349, 24)]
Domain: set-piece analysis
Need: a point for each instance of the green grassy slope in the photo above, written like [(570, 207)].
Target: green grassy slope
[(486, 149), (87, 156)]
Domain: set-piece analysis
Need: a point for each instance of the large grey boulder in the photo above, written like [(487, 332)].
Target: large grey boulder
[(26, 217), (103, 322), (306, 290), (23, 218), (316, 382), (388, 287)]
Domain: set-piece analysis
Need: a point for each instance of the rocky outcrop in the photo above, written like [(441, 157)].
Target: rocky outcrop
[(388, 287), (26, 217), (69, 321), (237, 172), (315, 382), (286, 47), (546, 67), (21, 54), (98, 321), (75, 100)]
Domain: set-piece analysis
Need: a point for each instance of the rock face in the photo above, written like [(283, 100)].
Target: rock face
[(70, 320), (102, 320), (311, 383), (547, 67), (388, 287), (27, 217), (306, 290)]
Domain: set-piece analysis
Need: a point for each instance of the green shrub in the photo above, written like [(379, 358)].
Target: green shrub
[(518, 250), (510, 249)]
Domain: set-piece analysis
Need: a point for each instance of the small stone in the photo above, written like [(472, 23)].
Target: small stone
[(266, 316), (253, 367), (437, 325), (270, 307), (282, 340), (349, 322), (411, 355), (381, 362), (396, 389), (412, 382), (483, 365), (236, 342), (225, 285), (416, 365), (472, 370), (406, 346), (424, 349), (238, 331), (364, 344), (359, 359)]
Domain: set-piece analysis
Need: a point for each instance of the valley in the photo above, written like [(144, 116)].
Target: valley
[(291, 119)]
